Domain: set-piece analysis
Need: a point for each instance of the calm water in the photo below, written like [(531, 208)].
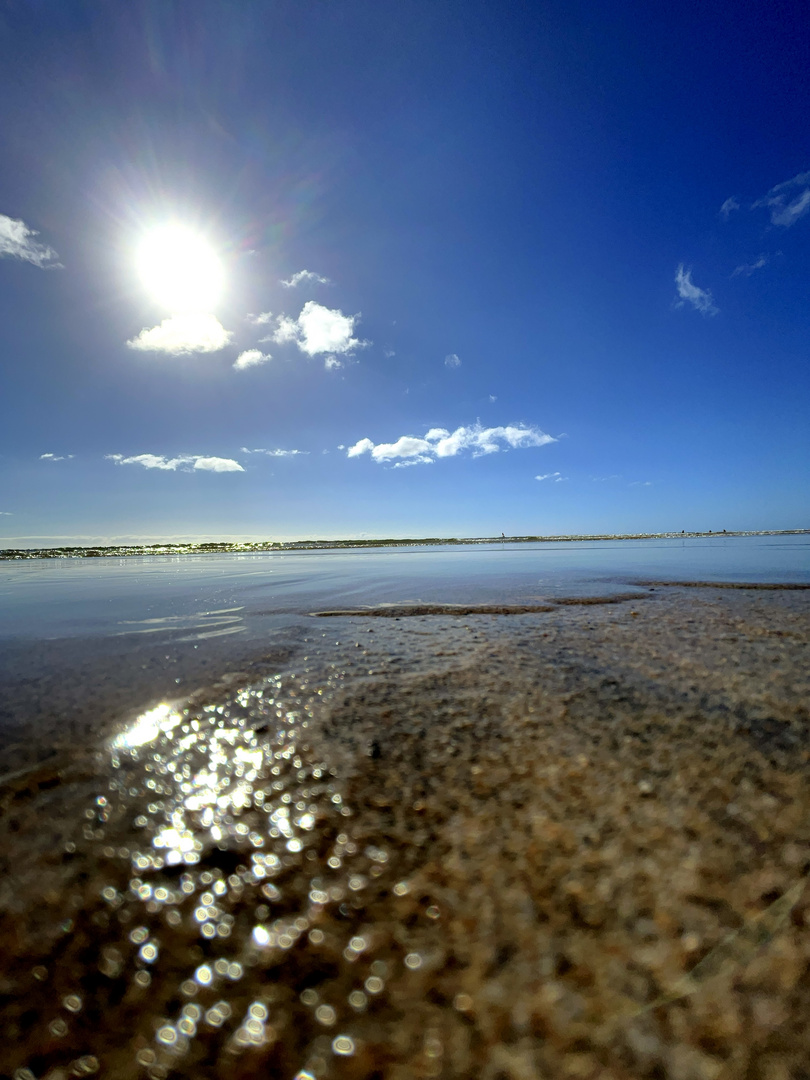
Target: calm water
[(204, 596)]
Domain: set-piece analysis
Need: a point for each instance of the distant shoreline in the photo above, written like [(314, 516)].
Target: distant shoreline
[(220, 547)]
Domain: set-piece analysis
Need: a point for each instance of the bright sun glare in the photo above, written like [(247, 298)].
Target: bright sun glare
[(180, 269)]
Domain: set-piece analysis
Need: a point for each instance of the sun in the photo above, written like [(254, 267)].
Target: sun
[(180, 269)]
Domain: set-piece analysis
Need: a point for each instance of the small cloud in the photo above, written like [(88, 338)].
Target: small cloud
[(274, 453), (319, 330), (728, 207), (560, 479), (700, 299), (788, 201), (747, 269), (305, 277), (441, 443), (184, 463), (547, 476), (640, 483), (492, 398), (217, 464), (603, 479), (250, 358), (55, 457), (331, 363), (17, 242), (195, 332), (452, 361), (6, 513), (262, 319), (388, 353)]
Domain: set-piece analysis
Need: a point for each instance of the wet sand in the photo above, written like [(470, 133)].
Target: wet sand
[(461, 845)]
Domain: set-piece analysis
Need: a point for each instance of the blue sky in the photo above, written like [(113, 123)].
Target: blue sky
[(427, 269)]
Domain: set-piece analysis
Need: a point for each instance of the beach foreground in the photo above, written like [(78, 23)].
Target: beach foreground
[(461, 845)]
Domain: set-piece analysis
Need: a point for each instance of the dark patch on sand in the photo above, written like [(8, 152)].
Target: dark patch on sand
[(401, 611)]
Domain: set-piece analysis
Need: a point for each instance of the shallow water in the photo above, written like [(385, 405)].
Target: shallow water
[(448, 845)]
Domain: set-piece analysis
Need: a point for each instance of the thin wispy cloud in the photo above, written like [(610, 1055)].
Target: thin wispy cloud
[(640, 483), (274, 453), (331, 363), (319, 330), (452, 361), (747, 269), (548, 476), (55, 457), (700, 299), (194, 332), (728, 207), (788, 201), (305, 277), (6, 513), (17, 242), (264, 318), (183, 463), (251, 358), (477, 441)]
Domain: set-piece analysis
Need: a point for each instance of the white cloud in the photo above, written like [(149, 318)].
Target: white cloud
[(747, 269), (185, 462), (640, 483), (441, 443), (452, 361), (17, 242), (274, 453), (250, 358), (217, 464), (700, 299), (388, 353), (195, 332), (728, 206), (6, 513), (331, 363), (319, 330), (492, 398), (547, 476), (55, 457), (788, 201), (306, 276), (262, 319)]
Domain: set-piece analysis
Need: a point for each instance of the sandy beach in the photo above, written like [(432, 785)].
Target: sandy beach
[(555, 843)]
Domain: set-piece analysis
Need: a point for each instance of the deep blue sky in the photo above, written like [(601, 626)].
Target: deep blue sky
[(533, 190)]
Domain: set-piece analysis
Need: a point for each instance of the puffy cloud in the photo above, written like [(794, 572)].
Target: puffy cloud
[(55, 457), (747, 269), (700, 299), (250, 358), (359, 448), (331, 363), (441, 443), (305, 276), (17, 242), (452, 361), (728, 207), (217, 464), (193, 332), (185, 462), (788, 201), (319, 330)]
